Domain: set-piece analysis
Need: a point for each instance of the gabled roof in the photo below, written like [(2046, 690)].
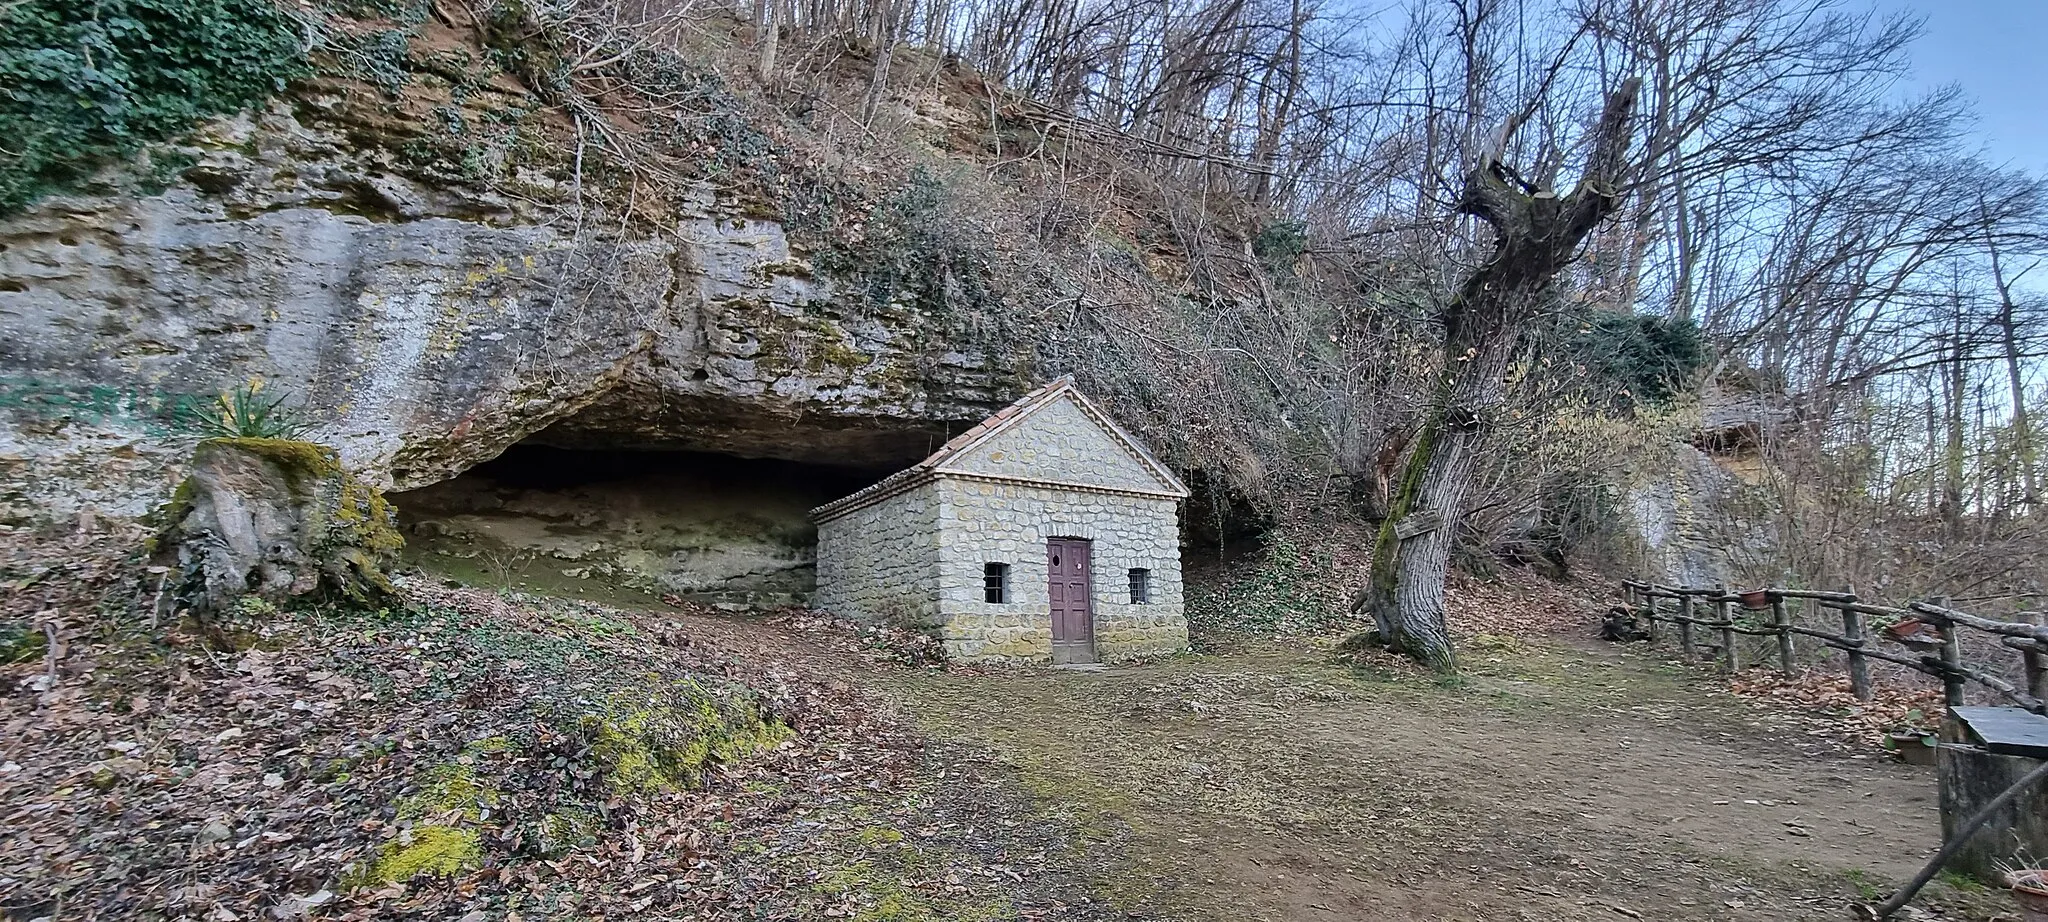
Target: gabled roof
[(998, 423)]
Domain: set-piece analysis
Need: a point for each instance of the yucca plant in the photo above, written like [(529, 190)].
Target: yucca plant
[(247, 413)]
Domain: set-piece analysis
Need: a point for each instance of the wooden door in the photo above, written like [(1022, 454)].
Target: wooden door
[(1069, 567)]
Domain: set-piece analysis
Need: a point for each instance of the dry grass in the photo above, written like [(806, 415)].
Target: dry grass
[(1552, 782)]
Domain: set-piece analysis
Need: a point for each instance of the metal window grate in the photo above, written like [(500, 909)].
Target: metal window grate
[(995, 582), (1141, 586)]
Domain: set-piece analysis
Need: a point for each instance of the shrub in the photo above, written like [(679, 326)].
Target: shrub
[(247, 413), (1279, 244), (84, 84), (1649, 358)]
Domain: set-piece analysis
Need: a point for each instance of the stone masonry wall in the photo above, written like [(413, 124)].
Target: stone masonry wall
[(1059, 442), (985, 522), (880, 562)]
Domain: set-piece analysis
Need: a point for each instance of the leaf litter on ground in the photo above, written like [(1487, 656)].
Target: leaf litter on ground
[(260, 769)]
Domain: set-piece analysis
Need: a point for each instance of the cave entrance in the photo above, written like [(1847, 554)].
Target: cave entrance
[(629, 526)]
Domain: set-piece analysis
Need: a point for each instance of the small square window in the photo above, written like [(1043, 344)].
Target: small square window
[(1141, 586), (995, 582)]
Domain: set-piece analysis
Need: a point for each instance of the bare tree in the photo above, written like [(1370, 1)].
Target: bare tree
[(1537, 232), (2009, 345)]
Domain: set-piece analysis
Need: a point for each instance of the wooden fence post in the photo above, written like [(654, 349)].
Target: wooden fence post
[(1783, 620), (2037, 669), (1852, 633), (1724, 612), (1685, 623), (1650, 615), (1951, 656)]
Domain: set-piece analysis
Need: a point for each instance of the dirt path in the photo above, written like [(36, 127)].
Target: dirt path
[(1558, 782)]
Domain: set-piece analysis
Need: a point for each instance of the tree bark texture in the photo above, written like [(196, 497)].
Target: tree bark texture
[(1408, 570), (768, 33), (1536, 235), (2022, 429), (1955, 390)]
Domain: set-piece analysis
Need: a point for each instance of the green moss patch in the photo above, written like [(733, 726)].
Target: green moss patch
[(450, 791), (308, 460), (882, 884), (667, 738), (425, 851), (439, 839)]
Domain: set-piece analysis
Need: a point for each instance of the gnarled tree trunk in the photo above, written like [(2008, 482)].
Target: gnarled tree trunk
[(1536, 234), (1413, 553)]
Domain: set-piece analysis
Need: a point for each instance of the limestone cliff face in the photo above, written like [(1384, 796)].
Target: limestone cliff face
[(1698, 522), (428, 326), (1671, 515)]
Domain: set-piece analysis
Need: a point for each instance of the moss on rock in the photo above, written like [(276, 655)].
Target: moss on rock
[(278, 519), (307, 461), (424, 851), (437, 840), (669, 739), (452, 790)]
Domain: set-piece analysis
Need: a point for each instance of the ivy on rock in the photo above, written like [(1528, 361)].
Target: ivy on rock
[(1643, 358), (85, 84)]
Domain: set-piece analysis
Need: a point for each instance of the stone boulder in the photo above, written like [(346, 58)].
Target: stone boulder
[(278, 520)]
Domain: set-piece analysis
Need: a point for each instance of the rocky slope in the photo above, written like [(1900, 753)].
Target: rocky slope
[(1700, 512)]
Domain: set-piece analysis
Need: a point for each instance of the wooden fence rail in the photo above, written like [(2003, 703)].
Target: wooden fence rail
[(1937, 652)]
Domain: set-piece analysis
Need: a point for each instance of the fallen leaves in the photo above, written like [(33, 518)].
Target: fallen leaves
[(1518, 603), (1822, 702), (156, 770)]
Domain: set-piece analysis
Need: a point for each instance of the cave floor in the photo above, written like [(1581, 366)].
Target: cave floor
[(1557, 780)]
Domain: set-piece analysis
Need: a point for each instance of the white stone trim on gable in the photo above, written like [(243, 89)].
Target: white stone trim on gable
[(1131, 444), (1057, 484), (1065, 388), (964, 446)]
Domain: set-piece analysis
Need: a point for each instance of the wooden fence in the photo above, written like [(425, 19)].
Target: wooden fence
[(1937, 651)]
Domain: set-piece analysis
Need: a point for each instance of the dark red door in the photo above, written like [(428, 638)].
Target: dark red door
[(1073, 617)]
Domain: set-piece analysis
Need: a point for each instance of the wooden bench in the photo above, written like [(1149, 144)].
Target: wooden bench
[(1984, 750)]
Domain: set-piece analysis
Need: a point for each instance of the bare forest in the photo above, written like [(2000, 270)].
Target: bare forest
[(1458, 269)]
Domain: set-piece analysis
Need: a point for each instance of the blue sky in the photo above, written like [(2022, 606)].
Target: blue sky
[(1997, 50)]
